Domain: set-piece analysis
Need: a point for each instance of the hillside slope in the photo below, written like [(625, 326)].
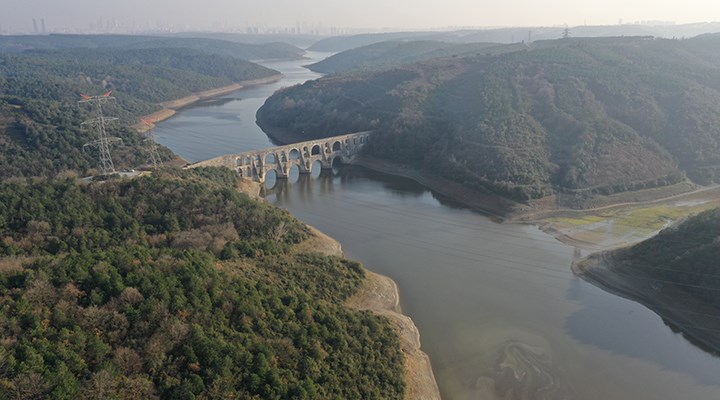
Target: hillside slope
[(675, 273), (177, 286), (516, 34), (392, 53), (581, 116), (208, 45), (40, 119)]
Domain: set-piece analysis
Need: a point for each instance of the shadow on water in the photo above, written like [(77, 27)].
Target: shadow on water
[(624, 327), (215, 102)]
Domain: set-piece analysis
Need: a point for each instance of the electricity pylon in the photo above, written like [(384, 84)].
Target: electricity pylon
[(152, 144), (99, 122)]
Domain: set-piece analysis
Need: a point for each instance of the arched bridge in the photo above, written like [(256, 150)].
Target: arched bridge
[(256, 164)]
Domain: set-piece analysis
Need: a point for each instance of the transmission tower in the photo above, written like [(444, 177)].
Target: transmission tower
[(98, 123), (152, 145), (566, 33)]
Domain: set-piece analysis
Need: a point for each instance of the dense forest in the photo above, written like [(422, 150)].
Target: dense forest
[(207, 45), (583, 116), (40, 131), (177, 286)]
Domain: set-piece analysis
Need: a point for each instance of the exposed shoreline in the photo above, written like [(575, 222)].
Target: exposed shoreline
[(380, 295), (546, 214), (663, 301), (492, 206), (170, 108), (670, 304)]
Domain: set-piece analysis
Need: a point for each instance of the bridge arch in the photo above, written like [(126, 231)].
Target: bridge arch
[(294, 154), (337, 161), (282, 159)]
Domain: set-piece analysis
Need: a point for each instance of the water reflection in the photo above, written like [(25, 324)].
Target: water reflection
[(498, 308), (499, 311), (615, 324)]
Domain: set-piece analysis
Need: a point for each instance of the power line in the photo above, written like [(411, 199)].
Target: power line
[(99, 123), (152, 148)]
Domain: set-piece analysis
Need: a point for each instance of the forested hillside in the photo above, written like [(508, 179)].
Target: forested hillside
[(675, 273), (177, 286), (581, 116), (16, 44), (391, 53), (684, 256), (40, 132)]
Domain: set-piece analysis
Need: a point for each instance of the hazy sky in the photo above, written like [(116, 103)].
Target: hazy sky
[(16, 15)]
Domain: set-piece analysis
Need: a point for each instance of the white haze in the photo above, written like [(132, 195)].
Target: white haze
[(83, 15)]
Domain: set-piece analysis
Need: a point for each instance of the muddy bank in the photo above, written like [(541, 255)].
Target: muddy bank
[(697, 321), (493, 206), (169, 108), (380, 295)]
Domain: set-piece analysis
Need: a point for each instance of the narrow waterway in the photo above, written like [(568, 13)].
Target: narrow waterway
[(498, 309)]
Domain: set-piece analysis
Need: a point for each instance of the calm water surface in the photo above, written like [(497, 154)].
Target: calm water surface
[(496, 304)]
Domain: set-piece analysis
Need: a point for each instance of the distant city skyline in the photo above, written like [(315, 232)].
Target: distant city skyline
[(326, 16)]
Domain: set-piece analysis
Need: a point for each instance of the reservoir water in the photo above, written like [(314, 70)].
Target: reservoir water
[(499, 311)]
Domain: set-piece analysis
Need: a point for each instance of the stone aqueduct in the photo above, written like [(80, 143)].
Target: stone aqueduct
[(256, 164)]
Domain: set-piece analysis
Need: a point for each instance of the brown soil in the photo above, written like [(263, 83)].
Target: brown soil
[(491, 205), (380, 295), (170, 107)]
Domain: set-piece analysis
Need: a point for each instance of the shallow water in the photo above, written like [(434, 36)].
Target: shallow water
[(499, 311)]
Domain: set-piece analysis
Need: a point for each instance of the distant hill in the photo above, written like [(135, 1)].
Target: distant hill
[(40, 132), (302, 41), (675, 273), (580, 116), (15, 44), (516, 35), (392, 53)]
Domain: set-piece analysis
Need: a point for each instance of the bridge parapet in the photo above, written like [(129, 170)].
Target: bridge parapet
[(256, 164)]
